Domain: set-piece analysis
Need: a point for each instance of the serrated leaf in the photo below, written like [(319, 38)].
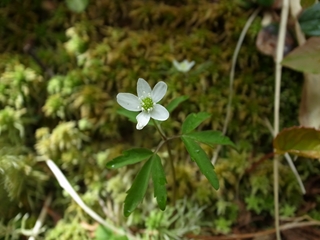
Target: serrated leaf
[(305, 58), (130, 156), (77, 5), (175, 103), (210, 138), (193, 120), (299, 141), (159, 182), (198, 155), (138, 189), (310, 20)]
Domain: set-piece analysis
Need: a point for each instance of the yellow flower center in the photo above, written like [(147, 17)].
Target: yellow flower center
[(147, 104)]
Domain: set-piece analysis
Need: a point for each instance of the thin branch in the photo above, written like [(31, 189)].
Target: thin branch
[(295, 9), (295, 172), (231, 78), (36, 229), (64, 183), (173, 172), (289, 160), (278, 69)]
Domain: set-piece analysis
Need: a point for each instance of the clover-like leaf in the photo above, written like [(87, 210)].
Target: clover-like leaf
[(198, 155), (138, 189), (130, 156), (210, 138), (159, 182), (299, 141), (193, 120)]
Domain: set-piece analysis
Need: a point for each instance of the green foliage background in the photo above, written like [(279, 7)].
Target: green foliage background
[(66, 110)]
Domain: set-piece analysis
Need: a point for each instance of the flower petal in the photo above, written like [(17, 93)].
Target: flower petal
[(129, 102), (159, 112), (158, 91), (191, 64), (143, 88), (176, 65), (143, 119)]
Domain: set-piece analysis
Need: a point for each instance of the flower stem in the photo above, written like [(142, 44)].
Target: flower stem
[(173, 172), (164, 137)]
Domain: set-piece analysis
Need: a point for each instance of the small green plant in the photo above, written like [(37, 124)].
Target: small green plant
[(147, 104)]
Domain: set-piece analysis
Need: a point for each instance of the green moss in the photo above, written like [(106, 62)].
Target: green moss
[(70, 110)]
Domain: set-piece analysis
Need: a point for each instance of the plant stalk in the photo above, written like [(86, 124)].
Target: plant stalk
[(278, 72), (173, 172), (231, 79)]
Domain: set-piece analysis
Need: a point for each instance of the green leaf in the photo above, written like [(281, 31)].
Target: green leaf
[(198, 155), (101, 233), (310, 20), (193, 120), (210, 138), (130, 156), (305, 58), (299, 141), (159, 182), (175, 103), (130, 115), (77, 6), (138, 189), (306, 3)]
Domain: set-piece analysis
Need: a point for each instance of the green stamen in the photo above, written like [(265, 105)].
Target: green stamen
[(147, 104)]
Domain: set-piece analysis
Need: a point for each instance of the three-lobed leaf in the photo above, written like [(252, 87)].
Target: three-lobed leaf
[(138, 189), (159, 182), (198, 155), (299, 141), (193, 120), (210, 138), (130, 156)]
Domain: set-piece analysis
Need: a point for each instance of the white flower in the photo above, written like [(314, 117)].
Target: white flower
[(146, 102), (184, 66)]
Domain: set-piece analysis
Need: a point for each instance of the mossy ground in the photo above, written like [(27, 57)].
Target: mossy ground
[(65, 108)]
